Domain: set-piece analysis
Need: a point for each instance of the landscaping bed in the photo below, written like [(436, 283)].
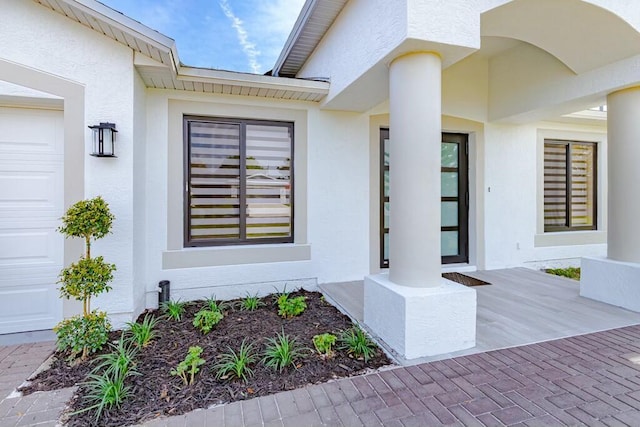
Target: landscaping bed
[(156, 392)]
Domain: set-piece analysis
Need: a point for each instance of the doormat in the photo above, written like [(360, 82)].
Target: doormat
[(464, 280)]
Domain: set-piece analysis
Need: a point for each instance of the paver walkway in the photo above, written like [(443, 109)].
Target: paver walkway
[(18, 362), (584, 380)]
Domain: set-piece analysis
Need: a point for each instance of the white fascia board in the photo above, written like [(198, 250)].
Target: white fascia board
[(298, 27), (205, 75), (128, 25)]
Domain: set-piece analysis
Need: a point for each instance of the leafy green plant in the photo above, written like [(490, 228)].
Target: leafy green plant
[(105, 385), (120, 360), (83, 334), (206, 319), (291, 307), (570, 272), (190, 366), (143, 333), (87, 278), (105, 391), (174, 309), (324, 344), (282, 351), (215, 305), (357, 343), (251, 303), (236, 364)]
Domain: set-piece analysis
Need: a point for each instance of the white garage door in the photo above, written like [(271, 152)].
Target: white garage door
[(31, 203)]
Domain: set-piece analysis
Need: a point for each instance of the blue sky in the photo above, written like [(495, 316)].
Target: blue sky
[(236, 35)]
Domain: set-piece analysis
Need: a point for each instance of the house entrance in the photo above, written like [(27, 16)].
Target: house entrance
[(454, 240)]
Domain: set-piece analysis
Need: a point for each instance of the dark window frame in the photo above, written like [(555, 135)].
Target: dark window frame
[(242, 123), (568, 227)]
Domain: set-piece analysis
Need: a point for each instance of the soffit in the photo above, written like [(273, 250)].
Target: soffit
[(222, 82), (313, 22)]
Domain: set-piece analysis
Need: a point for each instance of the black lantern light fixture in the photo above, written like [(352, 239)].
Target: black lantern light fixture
[(104, 138)]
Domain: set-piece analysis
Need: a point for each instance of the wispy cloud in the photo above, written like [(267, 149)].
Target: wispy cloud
[(248, 47)]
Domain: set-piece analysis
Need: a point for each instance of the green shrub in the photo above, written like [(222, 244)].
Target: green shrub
[(324, 344), (87, 278), (251, 303), (143, 333), (236, 364), (357, 343), (291, 307), (570, 272), (282, 351), (190, 366), (206, 319), (83, 334), (174, 309)]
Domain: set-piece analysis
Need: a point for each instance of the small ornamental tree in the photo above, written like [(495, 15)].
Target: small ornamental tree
[(87, 278)]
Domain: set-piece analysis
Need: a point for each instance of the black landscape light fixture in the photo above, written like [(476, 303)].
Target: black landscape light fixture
[(104, 138)]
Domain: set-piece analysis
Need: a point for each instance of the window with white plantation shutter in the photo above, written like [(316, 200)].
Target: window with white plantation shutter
[(239, 182), (570, 191)]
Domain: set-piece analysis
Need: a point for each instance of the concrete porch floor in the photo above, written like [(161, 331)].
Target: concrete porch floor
[(521, 306)]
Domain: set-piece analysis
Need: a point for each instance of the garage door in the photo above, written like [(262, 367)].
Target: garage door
[(31, 203)]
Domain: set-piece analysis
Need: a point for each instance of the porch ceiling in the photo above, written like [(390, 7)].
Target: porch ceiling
[(582, 36)]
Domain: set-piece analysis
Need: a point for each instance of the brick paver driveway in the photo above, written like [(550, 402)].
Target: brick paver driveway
[(585, 380)]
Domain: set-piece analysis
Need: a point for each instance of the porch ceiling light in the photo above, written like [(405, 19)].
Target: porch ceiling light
[(104, 138)]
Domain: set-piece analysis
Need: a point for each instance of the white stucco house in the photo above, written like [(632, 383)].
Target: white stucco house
[(392, 139)]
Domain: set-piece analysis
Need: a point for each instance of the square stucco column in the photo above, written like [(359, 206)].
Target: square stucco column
[(616, 278), (413, 309)]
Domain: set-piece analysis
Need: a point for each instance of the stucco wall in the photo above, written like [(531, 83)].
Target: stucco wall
[(37, 37), (513, 207), (331, 201)]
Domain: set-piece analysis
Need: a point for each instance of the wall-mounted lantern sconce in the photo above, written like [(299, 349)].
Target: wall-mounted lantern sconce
[(104, 138)]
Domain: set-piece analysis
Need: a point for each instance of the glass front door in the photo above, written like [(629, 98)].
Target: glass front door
[(454, 241)]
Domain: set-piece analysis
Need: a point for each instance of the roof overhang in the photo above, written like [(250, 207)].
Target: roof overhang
[(313, 22), (156, 58)]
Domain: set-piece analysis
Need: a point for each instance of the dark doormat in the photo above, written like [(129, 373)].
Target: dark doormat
[(464, 280)]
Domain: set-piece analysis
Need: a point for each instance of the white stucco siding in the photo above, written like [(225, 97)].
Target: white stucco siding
[(339, 195), (139, 189), (361, 36), (331, 205), (37, 37), (513, 235)]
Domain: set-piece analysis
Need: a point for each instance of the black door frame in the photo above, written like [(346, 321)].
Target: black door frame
[(462, 140), (463, 197)]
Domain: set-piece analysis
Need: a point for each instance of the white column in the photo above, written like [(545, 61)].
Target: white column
[(623, 129), (413, 309), (616, 278), (414, 182)]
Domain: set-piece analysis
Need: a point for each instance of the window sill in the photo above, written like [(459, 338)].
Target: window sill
[(234, 255), (570, 238)]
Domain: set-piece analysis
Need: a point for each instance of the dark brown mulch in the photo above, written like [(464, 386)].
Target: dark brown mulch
[(156, 393), (464, 279)]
